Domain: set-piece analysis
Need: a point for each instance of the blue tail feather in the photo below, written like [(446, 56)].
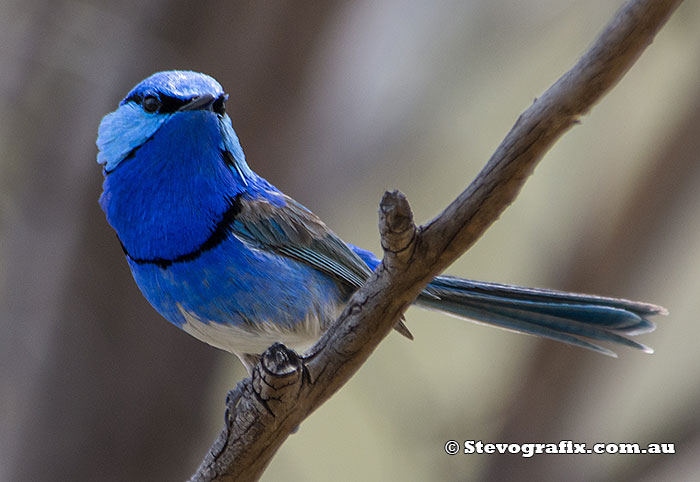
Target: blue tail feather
[(567, 317)]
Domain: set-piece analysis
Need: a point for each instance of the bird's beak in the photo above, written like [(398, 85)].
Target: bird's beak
[(202, 102)]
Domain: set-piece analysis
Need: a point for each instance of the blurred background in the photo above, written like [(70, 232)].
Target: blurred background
[(335, 102)]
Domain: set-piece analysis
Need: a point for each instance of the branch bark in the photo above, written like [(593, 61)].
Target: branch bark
[(285, 389)]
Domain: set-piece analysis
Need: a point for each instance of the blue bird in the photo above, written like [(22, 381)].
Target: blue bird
[(221, 253)]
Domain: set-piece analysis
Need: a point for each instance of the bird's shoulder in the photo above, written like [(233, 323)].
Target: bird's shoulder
[(272, 220), (283, 219)]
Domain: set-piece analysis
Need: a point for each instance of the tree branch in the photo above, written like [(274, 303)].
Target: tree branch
[(284, 389)]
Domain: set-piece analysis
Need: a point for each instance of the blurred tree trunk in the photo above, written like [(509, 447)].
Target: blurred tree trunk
[(95, 385), (107, 391)]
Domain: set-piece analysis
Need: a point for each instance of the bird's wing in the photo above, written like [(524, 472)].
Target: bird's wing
[(279, 224), (286, 227)]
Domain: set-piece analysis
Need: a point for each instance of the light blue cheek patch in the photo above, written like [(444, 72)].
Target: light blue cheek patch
[(123, 130)]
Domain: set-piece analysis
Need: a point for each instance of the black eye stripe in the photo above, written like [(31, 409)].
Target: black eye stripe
[(133, 98), (170, 105), (219, 105)]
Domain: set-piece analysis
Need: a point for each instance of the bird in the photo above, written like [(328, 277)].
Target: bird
[(224, 255)]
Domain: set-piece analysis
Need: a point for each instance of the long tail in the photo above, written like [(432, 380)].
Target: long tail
[(566, 317)]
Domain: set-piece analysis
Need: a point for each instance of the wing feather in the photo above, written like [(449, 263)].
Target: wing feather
[(286, 227)]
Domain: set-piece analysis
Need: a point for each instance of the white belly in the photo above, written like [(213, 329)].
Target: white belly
[(247, 339)]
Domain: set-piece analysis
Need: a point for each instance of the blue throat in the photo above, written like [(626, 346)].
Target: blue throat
[(175, 195)]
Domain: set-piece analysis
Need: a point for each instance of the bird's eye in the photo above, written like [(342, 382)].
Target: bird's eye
[(219, 105), (151, 104)]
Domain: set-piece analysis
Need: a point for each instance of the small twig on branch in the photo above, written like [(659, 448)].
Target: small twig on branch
[(284, 389)]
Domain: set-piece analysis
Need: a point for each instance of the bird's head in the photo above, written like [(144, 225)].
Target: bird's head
[(151, 104), (172, 164)]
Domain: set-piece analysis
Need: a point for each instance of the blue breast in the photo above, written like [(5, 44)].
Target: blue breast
[(234, 284), (168, 199)]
